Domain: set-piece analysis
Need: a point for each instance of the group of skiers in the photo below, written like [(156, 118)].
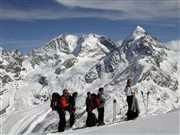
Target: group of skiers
[(61, 104), (67, 102)]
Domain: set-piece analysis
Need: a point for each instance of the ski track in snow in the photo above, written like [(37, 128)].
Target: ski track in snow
[(24, 118), (39, 119), (26, 121)]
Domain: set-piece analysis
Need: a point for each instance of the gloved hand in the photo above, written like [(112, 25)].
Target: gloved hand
[(73, 109)]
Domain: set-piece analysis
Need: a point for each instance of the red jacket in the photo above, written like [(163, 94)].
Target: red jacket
[(64, 103)]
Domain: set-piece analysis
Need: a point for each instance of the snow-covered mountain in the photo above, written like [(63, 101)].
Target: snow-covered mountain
[(85, 63), (10, 73)]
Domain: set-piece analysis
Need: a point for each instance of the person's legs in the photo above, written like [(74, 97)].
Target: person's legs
[(88, 123), (62, 121), (100, 116), (129, 101), (72, 118)]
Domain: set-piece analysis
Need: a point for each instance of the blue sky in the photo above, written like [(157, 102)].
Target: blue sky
[(27, 24)]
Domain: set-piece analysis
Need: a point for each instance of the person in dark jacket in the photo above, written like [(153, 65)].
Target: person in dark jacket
[(60, 104), (55, 101), (91, 117), (88, 102), (100, 108), (55, 105), (72, 108)]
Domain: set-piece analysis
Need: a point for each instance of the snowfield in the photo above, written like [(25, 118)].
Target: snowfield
[(85, 63), (165, 124)]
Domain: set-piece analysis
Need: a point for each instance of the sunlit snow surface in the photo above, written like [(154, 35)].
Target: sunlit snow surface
[(165, 124)]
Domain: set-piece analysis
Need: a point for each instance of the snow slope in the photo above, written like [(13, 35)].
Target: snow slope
[(165, 124), (85, 63)]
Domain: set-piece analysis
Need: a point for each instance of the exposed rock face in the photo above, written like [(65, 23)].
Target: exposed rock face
[(91, 75), (10, 65), (69, 62), (58, 71), (160, 78), (43, 80), (6, 79)]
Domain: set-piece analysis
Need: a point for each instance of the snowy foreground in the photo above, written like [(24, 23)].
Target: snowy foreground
[(166, 124)]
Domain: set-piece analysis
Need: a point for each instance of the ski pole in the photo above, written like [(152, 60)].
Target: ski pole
[(142, 94), (148, 99), (114, 110)]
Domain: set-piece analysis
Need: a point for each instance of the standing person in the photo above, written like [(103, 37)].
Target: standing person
[(88, 102), (60, 104), (64, 105), (55, 101), (130, 93), (55, 105), (91, 117), (100, 107), (72, 108)]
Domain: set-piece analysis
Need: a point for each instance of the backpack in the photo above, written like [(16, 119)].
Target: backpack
[(95, 101), (54, 101), (63, 103), (91, 120)]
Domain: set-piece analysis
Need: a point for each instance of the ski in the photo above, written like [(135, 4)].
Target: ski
[(142, 94)]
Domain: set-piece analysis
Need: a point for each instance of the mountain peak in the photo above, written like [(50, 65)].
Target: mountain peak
[(139, 29), (137, 33)]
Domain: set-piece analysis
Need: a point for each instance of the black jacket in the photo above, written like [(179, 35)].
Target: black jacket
[(55, 101), (88, 104)]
